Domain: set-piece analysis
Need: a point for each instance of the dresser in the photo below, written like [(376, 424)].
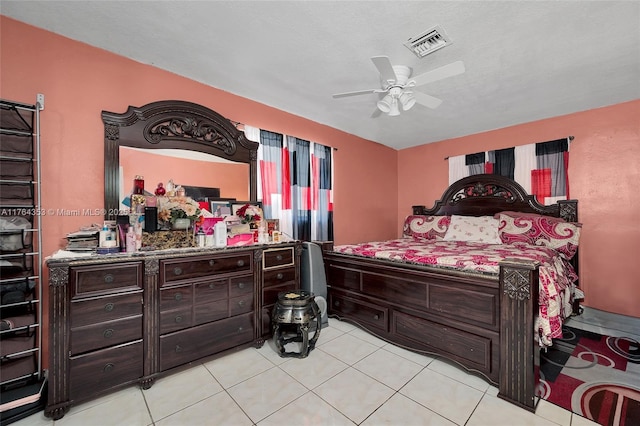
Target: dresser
[(117, 320)]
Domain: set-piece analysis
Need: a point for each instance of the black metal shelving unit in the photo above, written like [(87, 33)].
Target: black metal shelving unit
[(22, 379)]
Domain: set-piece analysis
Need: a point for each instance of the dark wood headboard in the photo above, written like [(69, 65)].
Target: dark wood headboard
[(486, 195)]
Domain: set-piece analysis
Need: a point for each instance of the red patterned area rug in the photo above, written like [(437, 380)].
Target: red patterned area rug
[(594, 376)]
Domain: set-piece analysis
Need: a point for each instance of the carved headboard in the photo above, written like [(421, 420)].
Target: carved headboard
[(486, 195), (174, 125)]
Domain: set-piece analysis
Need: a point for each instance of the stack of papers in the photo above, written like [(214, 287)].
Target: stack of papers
[(83, 241)]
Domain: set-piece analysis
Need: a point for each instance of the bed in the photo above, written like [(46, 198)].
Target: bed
[(485, 278)]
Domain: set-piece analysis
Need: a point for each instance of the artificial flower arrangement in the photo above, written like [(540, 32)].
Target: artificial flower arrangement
[(249, 214), (172, 208)]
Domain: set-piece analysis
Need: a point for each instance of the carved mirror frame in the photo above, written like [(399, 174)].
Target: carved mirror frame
[(172, 125)]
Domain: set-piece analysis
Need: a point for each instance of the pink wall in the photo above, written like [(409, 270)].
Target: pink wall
[(372, 193), (80, 81), (604, 169)]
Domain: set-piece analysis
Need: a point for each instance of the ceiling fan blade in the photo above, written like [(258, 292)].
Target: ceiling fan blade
[(357, 92), (427, 100), (376, 113), (385, 68), (454, 68)]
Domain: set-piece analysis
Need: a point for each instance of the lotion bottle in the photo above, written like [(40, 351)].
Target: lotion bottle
[(105, 235), (131, 240), (220, 234)]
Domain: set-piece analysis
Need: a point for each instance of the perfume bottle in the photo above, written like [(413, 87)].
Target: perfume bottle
[(138, 185), (160, 191)]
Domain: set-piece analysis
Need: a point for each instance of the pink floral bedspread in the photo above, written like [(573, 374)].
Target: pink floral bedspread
[(557, 277)]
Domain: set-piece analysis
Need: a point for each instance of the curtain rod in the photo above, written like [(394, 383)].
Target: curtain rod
[(568, 137), (237, 125)]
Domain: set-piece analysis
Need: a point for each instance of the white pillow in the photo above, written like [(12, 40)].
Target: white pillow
[(483, 229)]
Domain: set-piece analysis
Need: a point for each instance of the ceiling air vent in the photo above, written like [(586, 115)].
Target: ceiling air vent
[(428, 42)]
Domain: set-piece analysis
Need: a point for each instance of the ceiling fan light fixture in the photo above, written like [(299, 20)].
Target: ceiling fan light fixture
[(385, 104), (407, 101), (394, 111)]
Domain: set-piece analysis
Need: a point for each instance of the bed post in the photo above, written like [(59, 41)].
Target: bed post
[(519, 351)]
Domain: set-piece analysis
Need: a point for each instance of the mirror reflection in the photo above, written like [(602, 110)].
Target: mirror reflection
[(186, 168)]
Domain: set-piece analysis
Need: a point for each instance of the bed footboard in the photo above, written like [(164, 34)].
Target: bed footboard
[(519, 351), (482, 323)]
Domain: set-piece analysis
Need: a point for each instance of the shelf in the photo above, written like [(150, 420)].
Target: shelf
[(22, 380)]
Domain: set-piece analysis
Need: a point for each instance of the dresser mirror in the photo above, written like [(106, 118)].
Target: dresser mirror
[(186, 168), (162, 129)]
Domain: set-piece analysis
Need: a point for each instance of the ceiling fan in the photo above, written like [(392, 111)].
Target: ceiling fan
[(397, 83)]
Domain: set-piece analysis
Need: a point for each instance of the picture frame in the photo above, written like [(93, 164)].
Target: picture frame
[(273, 225), (221, 207)]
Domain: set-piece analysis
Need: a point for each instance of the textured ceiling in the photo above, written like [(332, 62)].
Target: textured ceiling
[(525, 60)]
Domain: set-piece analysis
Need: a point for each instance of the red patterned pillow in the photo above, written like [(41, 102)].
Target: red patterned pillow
[(539, 230), (426, 227)]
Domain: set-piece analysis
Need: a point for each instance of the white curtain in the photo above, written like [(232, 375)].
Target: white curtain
[(253, 134), (525, 161), (457, 168)]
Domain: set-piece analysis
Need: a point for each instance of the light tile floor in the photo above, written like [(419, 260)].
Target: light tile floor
[(350, 378)]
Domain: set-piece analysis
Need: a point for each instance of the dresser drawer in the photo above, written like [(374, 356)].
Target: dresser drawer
[(175, 320), (107, 308), (212, 311), (101, 370), (197, 342), (108, 333), (176, 297), (276, 277), (211, 291), (240, 285), (273, 258), (88, 280), (241, 304), (198, 267)]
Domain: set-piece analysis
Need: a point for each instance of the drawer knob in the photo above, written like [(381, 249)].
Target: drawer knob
[(178, 349), (108, 368), (108, 333), (109, 307), (376, 317), (212, 286), (177, 271), (178, 296), (241, 303), (241, 285), (336, 303), (212, 262), (108, 278), (240, 262), (279, 276), (178, 319), (279, 257), (240, 329)]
